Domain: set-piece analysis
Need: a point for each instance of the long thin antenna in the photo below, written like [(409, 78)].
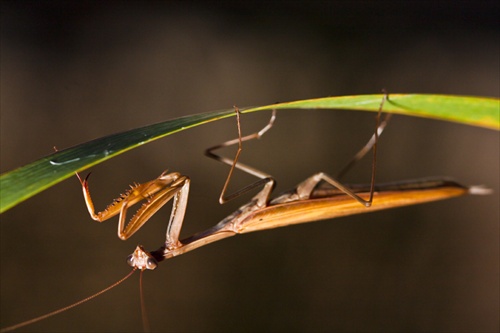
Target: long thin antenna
[(66, 308), (144, 313)]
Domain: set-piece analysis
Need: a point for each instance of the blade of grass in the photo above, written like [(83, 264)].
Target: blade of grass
[(24, 182), (474, 111)]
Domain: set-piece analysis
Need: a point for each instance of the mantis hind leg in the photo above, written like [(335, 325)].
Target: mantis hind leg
[(381, 124), (306, 188)]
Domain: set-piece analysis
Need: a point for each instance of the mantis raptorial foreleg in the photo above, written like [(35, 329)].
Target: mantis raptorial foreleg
[(156, 193)]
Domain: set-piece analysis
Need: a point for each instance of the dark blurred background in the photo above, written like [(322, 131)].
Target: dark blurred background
[(75, 71)]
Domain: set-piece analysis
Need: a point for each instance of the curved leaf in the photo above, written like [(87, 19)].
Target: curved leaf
[(24, 182), (475, 111)]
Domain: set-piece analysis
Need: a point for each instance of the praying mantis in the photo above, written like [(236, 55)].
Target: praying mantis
[(305, 203), (318, 197)]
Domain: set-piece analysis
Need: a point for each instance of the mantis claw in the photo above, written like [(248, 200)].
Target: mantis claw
[(156, 193)]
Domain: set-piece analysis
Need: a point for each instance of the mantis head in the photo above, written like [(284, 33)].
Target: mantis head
[(142, 259)]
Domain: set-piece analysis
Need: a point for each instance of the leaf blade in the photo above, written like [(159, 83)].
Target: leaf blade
[(22, 183)]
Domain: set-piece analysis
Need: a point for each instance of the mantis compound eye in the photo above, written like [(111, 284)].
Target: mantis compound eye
[(131, 260), (151, 263)]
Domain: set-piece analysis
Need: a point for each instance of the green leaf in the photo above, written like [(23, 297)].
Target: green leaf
[(474, 111), (24, 182)]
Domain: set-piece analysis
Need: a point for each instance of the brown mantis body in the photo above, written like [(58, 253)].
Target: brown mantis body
[(322, 204)]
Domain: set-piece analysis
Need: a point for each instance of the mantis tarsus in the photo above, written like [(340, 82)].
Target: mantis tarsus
[(318, 197)]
